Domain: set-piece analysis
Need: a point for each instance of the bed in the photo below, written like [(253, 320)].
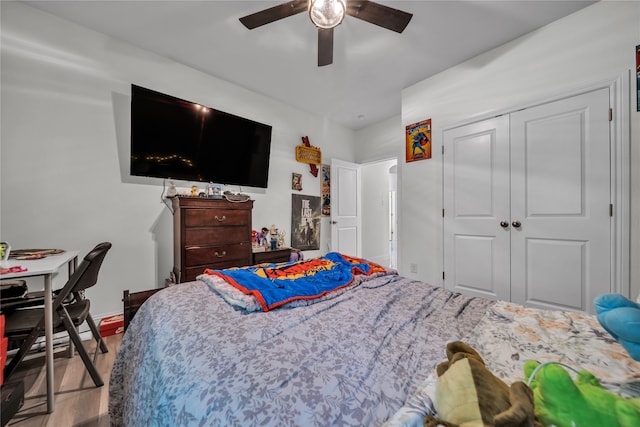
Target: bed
[(215, 352)]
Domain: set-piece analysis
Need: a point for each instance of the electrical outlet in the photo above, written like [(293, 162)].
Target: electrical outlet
[(414, 268)]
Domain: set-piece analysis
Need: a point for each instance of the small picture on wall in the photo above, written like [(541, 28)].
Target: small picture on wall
[(325, 190), (305, 222), (418, 141), (296, 181)]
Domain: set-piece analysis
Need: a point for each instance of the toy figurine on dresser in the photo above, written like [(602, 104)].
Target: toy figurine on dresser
[(273, 231)]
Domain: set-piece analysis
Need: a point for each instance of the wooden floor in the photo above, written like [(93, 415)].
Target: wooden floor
[(79, 403)]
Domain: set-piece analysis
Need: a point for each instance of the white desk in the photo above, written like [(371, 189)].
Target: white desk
[(45, 267)]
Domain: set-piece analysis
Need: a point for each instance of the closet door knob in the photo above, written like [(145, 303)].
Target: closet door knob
[(516, 224), (504, 224)]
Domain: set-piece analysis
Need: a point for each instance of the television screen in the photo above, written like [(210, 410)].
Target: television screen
[(178, 139)]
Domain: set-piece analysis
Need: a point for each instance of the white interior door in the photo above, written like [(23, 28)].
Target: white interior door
[(476, 202), (560, 195), (345, 208)]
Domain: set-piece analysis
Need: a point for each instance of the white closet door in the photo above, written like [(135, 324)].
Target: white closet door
[(476, 201), (560, 194)]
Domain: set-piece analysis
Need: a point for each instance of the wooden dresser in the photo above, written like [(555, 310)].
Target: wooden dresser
[(272, 255), (210, 233)]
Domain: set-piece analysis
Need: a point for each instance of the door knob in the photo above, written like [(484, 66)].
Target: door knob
[(516, 224), (504, 224)]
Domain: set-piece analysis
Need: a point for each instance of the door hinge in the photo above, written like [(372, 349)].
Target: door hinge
[(610, 209), (443, 149), (442, 213), (443, 275), (610, 114)]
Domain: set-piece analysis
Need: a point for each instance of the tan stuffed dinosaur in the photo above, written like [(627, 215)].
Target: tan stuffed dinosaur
[(469, 395)]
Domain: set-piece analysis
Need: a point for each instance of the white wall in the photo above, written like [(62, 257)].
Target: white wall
[(64, 141), (590, 46), (380, 141)]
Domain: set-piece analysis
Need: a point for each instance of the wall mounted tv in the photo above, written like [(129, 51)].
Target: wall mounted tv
[(182, 140)]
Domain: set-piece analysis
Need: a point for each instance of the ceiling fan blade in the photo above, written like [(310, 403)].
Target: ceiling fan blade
[(274, 13), (378, 14), (325, 46)]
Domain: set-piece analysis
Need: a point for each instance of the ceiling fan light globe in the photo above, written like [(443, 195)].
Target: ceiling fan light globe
[(327, 13)]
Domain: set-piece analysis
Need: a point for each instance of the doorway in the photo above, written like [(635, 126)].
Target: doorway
[(363, 197), (379, 212)]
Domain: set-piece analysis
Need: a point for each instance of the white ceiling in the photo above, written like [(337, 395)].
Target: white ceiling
[(371, 64)]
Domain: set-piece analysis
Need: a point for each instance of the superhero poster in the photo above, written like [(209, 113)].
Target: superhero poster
[(418, 141)]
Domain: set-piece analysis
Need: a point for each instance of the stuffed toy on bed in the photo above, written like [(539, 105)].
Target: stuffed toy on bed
[(560, 401), (469, 395), (621, 318)]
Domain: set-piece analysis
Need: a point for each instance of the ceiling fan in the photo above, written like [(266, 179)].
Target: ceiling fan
[(327, 14)]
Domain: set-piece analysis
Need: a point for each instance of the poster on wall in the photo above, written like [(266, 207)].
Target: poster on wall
[(305, 222), (418, 141), (638, 76), (325, 190), (296, 181)]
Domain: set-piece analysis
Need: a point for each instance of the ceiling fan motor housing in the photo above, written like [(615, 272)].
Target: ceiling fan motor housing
[(327, 13)]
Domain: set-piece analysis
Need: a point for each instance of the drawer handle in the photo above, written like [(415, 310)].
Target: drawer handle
[(218, 255), (224, 217)]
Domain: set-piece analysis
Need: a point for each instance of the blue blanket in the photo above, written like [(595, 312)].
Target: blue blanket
[(276, 284)]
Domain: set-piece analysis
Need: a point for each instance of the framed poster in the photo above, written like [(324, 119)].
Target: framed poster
[(296, 181), (418, 141), (325, 190), (305, 222)]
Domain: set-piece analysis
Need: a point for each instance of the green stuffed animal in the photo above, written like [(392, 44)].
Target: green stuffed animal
[(560, 401)]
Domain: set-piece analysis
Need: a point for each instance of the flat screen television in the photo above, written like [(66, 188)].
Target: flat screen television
[(182, 140)]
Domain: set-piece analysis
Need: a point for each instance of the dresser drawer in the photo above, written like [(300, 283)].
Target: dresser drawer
[(207, 236), (191, 273), (216, 218), (216, 255), (230, 259), (271, 256)]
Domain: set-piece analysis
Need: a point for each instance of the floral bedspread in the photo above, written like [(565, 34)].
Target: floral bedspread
[(511, 334), (189, 358)]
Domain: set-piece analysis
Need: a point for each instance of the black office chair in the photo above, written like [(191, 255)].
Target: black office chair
[(70, 310)]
